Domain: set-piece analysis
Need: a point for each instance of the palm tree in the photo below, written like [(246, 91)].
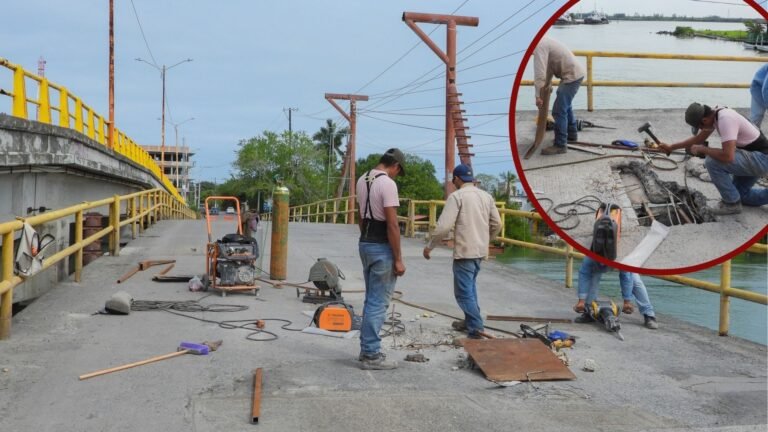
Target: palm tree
[(508, 178), (329, 140)]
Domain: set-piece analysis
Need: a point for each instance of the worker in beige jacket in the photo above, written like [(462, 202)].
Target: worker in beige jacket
[(472, 214), (551, 58)]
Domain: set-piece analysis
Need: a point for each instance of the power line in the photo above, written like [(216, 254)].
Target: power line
[(719, 2), (431, 115), (136, 14)]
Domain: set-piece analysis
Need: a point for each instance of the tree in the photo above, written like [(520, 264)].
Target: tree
[(489, 184), (329, 140), (754, 30), (420, 182), (508, 178), (291, 158)]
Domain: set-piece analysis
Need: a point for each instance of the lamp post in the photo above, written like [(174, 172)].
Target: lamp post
[(162, 70), (176, 146)]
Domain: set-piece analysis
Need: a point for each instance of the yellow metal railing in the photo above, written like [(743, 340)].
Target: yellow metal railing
[(591, 83), (81, 118), (318, 213), (142, 209)]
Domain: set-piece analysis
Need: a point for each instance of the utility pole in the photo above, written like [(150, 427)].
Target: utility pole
[(453, 118), (350, 154), (111, 126), (290, 125)]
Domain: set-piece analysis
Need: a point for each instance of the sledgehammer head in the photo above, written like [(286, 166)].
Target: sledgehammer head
[(193, 348), (647, 129)]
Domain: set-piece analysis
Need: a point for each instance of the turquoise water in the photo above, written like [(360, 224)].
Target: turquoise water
[(749, 271)]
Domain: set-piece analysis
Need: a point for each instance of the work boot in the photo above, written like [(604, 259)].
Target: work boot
[(650, 322), (376, 361), (725, 208), (573, 137), (553, 150), (459, 325), (584, 318), (474, 336)]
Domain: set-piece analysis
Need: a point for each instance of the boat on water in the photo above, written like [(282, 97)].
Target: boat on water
[(565, 20), (754, 44), (596, 18), (762, 48)]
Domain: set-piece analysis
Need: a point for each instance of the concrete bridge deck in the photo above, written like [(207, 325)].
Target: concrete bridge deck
[(680, 377), (589, 174)]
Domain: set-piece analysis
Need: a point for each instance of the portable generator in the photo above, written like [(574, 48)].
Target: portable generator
[(334, 316)]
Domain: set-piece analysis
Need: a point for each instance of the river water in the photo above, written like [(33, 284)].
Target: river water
[(631, 36), (749, 271)]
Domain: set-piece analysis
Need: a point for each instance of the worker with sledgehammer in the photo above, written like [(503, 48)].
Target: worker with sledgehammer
[(736, 167)]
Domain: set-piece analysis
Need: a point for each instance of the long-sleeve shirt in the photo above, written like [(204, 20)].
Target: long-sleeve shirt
[(550, 57), (473, 215), (759, 86)]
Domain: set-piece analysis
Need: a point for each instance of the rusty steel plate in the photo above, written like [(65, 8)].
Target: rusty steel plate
[(516, 360)]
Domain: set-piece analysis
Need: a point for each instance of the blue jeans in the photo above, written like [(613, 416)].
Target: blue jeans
[(565, 122), (590, 274), (757, 110), (633, 287), (378, 272), (465, 290), (746, 168)]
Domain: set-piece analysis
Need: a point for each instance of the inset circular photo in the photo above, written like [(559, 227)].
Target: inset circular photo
[(640, 139)]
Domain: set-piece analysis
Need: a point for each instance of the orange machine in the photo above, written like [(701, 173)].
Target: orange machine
[(230, 262), (334, 316)]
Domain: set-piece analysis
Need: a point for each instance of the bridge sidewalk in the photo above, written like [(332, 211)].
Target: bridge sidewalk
[(680, 376)]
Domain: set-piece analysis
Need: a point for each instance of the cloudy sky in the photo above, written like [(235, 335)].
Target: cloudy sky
[(252, 60)]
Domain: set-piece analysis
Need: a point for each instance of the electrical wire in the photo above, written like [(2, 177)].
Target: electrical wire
[(143, 36)]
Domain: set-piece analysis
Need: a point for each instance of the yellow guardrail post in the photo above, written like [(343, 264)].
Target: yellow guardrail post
[(6, 300), (132, 212), (142, 219), (114, 218), (78, 115), (432, 217), (43, 98), (335, 210), (590, 86), (63, 108), (19, 108), (569, 266), (411, 230), (79, 240), (91, 125), (725, 300)]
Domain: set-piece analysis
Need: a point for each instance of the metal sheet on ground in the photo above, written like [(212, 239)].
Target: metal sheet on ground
[(516, 360), (541, 122)]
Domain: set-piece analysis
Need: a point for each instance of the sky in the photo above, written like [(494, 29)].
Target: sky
[(254, 60)]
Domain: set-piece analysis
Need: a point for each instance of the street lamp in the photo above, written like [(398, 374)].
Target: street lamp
[(162, 127), (176, 145)]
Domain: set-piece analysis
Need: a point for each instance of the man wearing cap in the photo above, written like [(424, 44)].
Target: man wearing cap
[(551, 58), (734, 168), (472, 214), (380, 254)]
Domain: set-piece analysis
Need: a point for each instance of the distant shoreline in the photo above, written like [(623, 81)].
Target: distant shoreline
[(688, 19)]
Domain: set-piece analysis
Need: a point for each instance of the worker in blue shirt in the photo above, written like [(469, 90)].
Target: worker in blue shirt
[(759, 91)]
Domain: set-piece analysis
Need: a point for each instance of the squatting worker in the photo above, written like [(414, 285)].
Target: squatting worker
[(759, 91), (550, 57), (379, 251), (735, 167), (472, 214)]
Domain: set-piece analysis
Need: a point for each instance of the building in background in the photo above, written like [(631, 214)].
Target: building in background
[(177, 166)]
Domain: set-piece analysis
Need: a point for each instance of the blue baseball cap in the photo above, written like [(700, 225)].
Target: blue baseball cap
[(464, 172)]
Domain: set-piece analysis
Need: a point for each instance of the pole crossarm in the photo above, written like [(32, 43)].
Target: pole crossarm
[(349, 157), (453, 113)]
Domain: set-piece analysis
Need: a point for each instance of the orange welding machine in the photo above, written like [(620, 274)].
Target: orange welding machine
[(334, 316)]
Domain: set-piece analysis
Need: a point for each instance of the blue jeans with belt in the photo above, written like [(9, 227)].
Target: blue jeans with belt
[(746, 168), (465, 290), (379, 275), (562, 112)]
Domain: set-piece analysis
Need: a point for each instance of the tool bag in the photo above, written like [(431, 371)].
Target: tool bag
[(31, 251), (606, 231), (335, 316)]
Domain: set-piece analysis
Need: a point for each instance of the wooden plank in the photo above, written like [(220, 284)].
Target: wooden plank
[(516, 360), (541, 122)]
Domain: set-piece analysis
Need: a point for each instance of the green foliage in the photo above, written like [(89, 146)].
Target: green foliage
[(516, 227), (328, 141), (420, 183), (683, 31), (265, 159), (489, 184)]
